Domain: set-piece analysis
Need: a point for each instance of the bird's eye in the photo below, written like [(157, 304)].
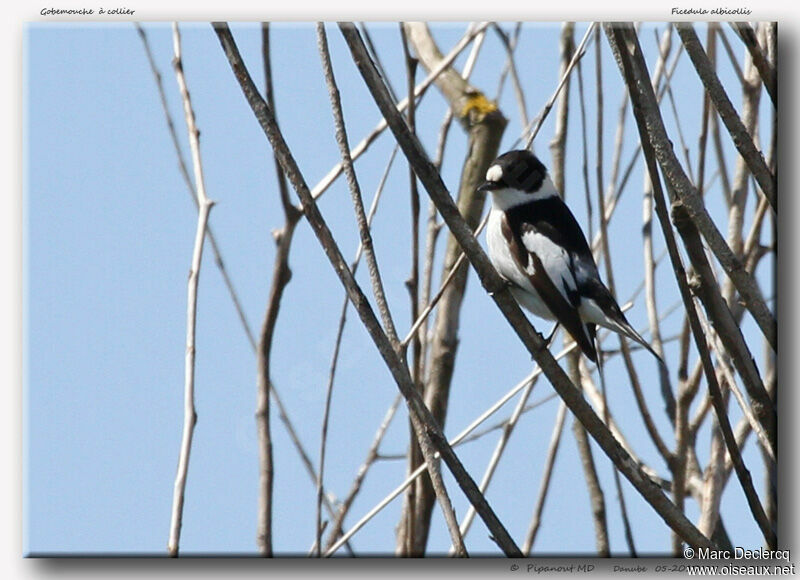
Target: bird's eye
[(495, 173)]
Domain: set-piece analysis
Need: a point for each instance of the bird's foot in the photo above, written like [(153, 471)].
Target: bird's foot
[(545, 344), (550, 336), (506, 284)]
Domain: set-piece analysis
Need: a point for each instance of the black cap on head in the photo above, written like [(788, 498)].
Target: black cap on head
[(518, 169)]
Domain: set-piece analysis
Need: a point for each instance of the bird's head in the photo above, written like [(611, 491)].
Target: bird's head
[(517, 177)]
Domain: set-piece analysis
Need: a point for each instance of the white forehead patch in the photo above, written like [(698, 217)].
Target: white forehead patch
[(495, 173)]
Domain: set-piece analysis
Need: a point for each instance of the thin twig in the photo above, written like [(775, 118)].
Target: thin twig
[(626, 47), (732, 58), (512, 67), (280, 278), (406, 536), (433, 226), (499, 292), (544, 485), (323, 184), (355, 189), (428, 432), (366, 240), (559, 141), (765, 69), (237, 305), (727, 373), (587, 190), (606, 253), (651, 304), (376, 58), (501, 82), (741, 138), (282, 413), (448, 278), (340, 514), (372, 455), (579, 52), (204, 204)]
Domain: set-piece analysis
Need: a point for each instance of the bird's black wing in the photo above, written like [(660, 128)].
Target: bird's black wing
[(564, 310), (551, 217)]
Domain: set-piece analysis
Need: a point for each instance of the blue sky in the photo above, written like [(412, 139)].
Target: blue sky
[(108, 233)]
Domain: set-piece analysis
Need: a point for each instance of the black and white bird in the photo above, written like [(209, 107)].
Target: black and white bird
[(536, 244)]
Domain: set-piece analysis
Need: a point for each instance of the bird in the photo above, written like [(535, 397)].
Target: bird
[(537, 246)]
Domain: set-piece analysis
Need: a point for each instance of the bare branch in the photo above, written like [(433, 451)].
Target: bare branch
[(741, 138), (282, 414), (559, 140), (549, 105), (544, 486), (500, 294), (765, 68), (429, 434), (204, 204), (281, 275), (485, 125), (652, 136), (667, 395), (687, 193), (366, 241), (419, 90)]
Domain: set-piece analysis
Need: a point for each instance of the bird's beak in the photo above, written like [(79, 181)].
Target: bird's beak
[(486, 186)]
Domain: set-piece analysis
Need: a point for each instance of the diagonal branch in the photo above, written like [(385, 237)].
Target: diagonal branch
[(419, 90), (366, 243), (338, 517), (741, 138), (428, 432), (685, 190), (499, 292), (484, 124), (765, 69), (625, 46)]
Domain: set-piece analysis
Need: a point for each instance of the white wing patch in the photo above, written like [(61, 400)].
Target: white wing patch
[(555, 261), (502, 259)]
